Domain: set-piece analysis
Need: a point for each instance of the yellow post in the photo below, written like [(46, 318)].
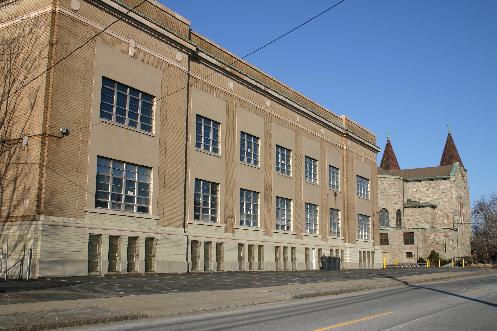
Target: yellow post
[(439, 263), (427, 263), (463, 263), (452, 263), (384, 262)]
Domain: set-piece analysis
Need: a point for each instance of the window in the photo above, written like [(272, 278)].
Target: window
[(398, 218), (283, 214), (384, 239), (205, 201), (283, 160), (311, 218), (249, 208), (122, 186), (384, 218), (311, 170), (409, 255), (408, 238), (249, 149), (362, 187), (207, 135), (334, 178), (335, 223), (363, 227), (125, 105)]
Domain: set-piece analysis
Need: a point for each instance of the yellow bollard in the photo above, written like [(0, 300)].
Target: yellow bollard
[(452, 263), (384, 263), (463, 263), (439, 263)]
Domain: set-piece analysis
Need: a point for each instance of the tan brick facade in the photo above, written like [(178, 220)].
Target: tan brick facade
[(155, 52)]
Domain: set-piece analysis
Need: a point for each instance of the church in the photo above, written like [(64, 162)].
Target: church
[(424, 209)]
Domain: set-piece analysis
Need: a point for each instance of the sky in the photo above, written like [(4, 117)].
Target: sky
[(409, 68)]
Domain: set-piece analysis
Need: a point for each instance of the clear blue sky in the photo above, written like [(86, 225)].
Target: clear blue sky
[(407, 67)]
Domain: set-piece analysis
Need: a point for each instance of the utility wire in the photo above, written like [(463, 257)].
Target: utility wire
[(74, 50)]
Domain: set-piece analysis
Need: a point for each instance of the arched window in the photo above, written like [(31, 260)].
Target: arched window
[(384, 218), (398, 218)]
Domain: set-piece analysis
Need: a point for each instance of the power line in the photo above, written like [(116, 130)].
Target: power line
[(74, 51), (295, 28)]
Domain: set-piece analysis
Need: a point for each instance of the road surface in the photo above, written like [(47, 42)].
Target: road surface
[(464, 304)]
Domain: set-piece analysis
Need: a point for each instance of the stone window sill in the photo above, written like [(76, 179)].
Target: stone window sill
[(216, 224), (120, 213), (130, 128)]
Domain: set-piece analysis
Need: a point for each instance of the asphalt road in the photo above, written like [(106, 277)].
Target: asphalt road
[(465, 304)]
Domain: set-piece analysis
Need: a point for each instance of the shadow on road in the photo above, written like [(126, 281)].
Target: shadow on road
[(441, 291)]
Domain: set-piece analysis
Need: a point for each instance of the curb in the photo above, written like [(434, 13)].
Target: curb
[(74, 323)]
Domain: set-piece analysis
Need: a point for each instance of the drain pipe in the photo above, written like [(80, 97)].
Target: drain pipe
[(185, 182)]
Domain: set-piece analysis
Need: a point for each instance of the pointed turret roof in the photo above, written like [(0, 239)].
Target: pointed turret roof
[(450, 154), (389, 160)]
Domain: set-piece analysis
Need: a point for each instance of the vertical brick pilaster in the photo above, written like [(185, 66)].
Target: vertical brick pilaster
[(269, 204), (324, 212), (230, 176), (298, 175)]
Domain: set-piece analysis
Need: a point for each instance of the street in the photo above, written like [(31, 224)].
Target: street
[(464, 304)]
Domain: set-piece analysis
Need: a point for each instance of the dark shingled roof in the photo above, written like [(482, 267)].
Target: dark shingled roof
[(450, 154), (419, 173), (389, 160)]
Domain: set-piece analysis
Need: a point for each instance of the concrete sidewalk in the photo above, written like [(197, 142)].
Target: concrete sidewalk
[(64, 313)]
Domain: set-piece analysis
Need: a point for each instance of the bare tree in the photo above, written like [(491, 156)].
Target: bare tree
[(484, 238), (23, 57)]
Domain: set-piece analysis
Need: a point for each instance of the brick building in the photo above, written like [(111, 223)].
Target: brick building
[(180, 156), (424, 209)]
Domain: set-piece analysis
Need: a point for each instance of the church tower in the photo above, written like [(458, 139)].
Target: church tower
[(450, 154), (389, 160)]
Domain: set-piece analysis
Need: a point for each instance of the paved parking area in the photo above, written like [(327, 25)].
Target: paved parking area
[(87, 287)]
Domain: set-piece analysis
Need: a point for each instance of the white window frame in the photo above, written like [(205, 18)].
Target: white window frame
[(283, 160), (362, 187), (311, 218), (205, 201), (207, 135), (141, 118), (363, 227), (123, 186), (249, 208), (335, 223), (249, 149), (311, 170), (283, 214), (334, 178)]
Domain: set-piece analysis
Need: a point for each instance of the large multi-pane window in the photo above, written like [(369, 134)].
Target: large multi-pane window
[(334, 178), (283, 214), (283, 160), (249, 149), (125, 105), (249, 208), (362, 187), (363, 226), (384, 218), (311, 218), (335, 223), (205, 201), (122, 186), (207, 134), (311, 170)]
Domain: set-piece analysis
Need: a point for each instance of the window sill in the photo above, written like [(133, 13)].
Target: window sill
[(366, 199), (313, 235), (121, 213), (284, 175), (334, 237), (363, 240), (216, 224), (248, 228), (334, 190), (250, 165), (289, 232), (150, 134), (208, 152), (311, 183)]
